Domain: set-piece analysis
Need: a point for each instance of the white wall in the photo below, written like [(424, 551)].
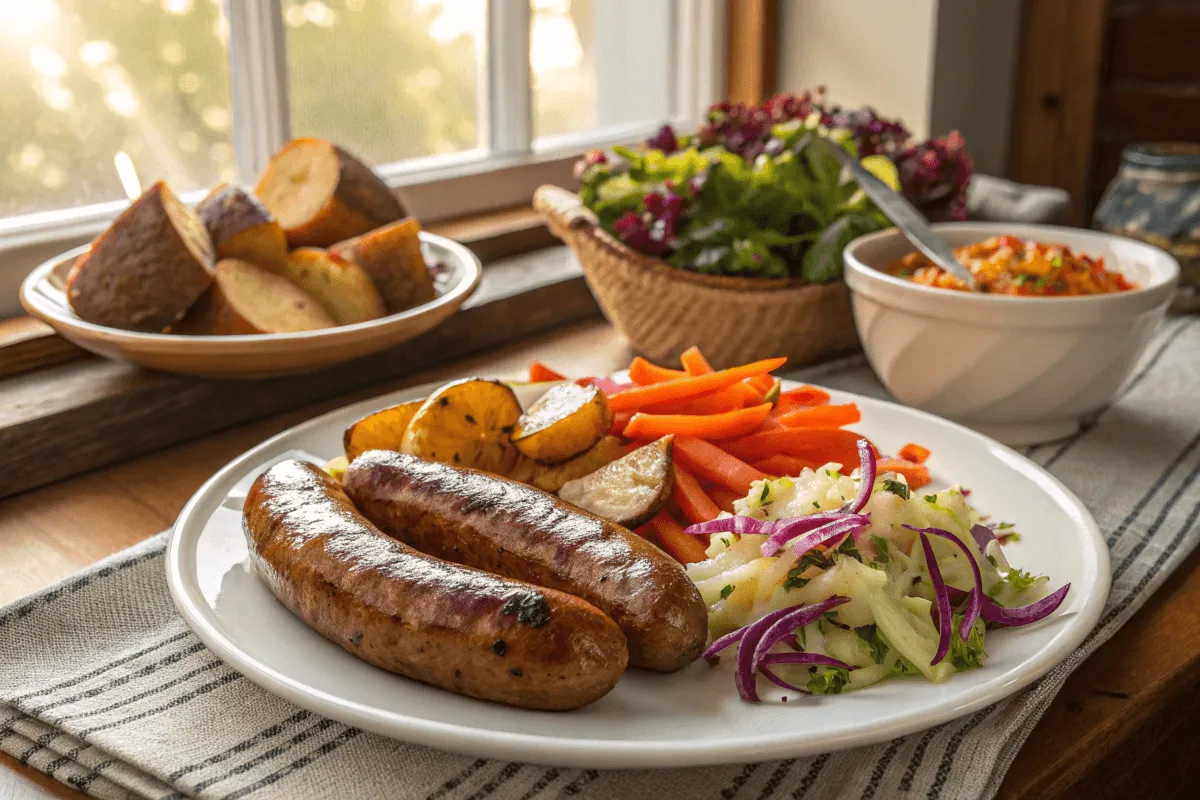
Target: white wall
[(935, 64)]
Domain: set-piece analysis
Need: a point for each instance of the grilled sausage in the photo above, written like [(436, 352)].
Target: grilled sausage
[(447, 625), (514, 530)]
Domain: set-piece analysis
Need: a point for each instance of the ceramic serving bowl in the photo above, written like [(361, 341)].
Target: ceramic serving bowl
[(258, 355), (1023, 370)]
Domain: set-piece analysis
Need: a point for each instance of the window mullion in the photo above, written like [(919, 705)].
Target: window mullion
[(509, 90), (700, 59), (258, 82)]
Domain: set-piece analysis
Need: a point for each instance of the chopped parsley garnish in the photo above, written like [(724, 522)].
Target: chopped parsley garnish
[(882, 554), (816, 504), (766, 492), (814, 558), (828, 680), (896, 487), (878, 647), (1020, 280), (728, 590), (969, 654), (794, 581), (931, 498), (847, 548), (1003, 526), (1016, 580), (1040, 282)]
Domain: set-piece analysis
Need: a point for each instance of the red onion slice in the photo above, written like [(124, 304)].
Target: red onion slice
[(975, 598), (805, 658), (738, 524), (945, 620), (867, 468), (982, 535), (827, 533), (783, 627), (1024, 615), (778, 681), (786, 530)]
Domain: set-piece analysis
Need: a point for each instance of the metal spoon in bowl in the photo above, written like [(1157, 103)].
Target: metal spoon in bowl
[(910, 222)]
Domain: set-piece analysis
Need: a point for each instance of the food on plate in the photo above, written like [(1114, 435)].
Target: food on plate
[(339, 285), (143, 273), (336, 467), (1008, 265), (630, 490), (468, 423), (830, 580), (564, 422), (451, 626), (392, 257), (321, 195), (246, 298), (552, 477), (756, 193), (514, 530), (240, 226), (540, 373), (383, 430)]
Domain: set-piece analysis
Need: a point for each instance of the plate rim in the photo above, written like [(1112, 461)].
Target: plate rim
[(614, 753)]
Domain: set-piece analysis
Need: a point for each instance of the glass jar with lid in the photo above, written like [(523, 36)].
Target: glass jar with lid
[(1155, 197)]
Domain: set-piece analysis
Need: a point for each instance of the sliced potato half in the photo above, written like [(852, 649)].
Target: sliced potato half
[(564, 422), (336, 467), (468, 424), (630, 490), (550, 478), (383, 430)]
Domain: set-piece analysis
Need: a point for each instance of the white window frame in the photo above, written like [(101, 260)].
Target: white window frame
[(502, 173)]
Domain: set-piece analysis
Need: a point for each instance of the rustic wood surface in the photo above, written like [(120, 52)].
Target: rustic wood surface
[(1125, 725), (27, 344), (103, 412)]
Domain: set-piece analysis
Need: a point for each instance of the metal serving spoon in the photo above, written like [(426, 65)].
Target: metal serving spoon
[(910, 222)]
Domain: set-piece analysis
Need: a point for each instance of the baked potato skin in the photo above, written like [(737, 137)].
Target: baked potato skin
[(391, 256), (240, 226), (564, 422), (143, 273)]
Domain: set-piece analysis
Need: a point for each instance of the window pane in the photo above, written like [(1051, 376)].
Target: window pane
[(86, 81), (631, 43), (388, 80)]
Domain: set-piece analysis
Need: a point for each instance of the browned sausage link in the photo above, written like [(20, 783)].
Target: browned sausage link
[(512, 529), (415, 615)]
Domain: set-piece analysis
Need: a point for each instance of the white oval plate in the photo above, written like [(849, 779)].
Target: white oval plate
[(649, 720)]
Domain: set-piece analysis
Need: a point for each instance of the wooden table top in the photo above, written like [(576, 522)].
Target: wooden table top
[(1124, 725)]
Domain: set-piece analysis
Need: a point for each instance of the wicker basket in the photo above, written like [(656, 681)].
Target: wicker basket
[(663, 310)]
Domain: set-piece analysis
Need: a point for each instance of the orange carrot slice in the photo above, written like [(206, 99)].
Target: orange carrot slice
[(690, 386), (723, 497), (686, 548), (711, 463), (821, 416), (917, 475), (781, 465), (643, 373), (691, 499), (693, 362), (702, 426), (802, 396), (814, 444), (540, 373), (761, 383), (914, 452), (718, 402)]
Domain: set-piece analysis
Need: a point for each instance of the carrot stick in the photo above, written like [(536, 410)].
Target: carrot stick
[(540, 373), (815, 444), (702, 426), (723, 497), (691, 499), (801, 396), (751, 395), (915, 453), (718, 402), (761, 383), (690, 386), (694, 362), (822, 416), (917, 475), (707, 461), (780, 465), (620, 420), (686, 548), (643, 373)]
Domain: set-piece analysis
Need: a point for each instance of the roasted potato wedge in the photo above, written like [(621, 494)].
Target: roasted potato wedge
[(550, 478), (246, 298), (341, 286), (630, 490), (383, 430), (468, 423), (564, 422)]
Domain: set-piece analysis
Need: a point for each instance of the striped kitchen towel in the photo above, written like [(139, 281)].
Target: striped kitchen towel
[(103, 687)]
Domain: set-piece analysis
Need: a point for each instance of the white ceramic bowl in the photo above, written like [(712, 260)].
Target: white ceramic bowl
[(1022, 370), (257, 355)]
